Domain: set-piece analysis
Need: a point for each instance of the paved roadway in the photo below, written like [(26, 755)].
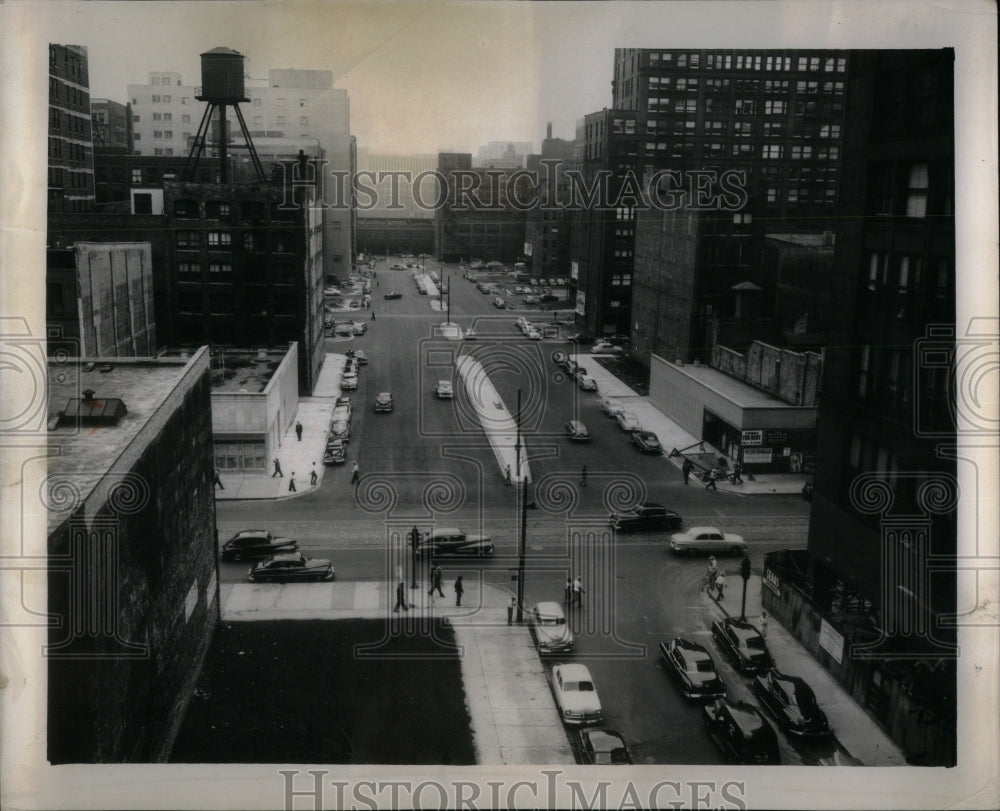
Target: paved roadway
[(429, 461)]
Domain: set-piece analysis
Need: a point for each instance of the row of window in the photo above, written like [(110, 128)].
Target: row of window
[(258, 120), (68, 150), (221, 302), (828, 64), (59, 178), (908, 190), (280, 242), (60, 91), (64, 122), (253, 273), (72, 63), (165, 80), (659, 83)]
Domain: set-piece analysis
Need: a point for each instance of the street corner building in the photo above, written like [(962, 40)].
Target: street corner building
[(132, 577)]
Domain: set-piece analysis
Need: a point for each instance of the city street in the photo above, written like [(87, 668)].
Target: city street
[(428, 463)]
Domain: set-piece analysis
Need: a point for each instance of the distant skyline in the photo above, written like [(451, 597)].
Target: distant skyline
[(425, 77)]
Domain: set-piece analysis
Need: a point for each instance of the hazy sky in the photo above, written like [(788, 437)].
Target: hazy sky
[(428, 76)]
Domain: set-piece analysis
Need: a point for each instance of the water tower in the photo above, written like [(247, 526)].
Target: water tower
[(221, 87)]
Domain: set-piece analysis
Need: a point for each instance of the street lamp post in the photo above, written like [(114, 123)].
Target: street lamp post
[(414, 540), (745, 574), (523, 505)]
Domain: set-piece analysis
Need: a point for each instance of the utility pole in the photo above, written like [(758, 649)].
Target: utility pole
[(523, 508), (745, 574), (414, 540)]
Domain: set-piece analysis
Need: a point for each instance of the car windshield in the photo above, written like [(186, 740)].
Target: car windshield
[(754, 642), (705, 666), (578, 687), (551, 620), (617, 755)]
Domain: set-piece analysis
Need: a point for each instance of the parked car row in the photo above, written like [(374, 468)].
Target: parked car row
[(573, 369)]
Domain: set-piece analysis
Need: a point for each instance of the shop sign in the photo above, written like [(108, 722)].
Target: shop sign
[(831, 640), (752, 438), (776, 437), (757, 456), (772, 582)]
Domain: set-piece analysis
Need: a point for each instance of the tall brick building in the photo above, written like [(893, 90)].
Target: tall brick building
[(71, 147), (133, 571)]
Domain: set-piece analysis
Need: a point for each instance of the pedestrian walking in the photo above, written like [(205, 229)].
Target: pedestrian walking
[(569, 591), (763, 624), (506, 480), (291, 483), (686, 469), (578, 591), (737, 470), (436, 581), (401, 597), (511, 605), (583, 476), (218, 481), (355, 474), (459, 590), (373, 315), (720, 584), (313, 477), (298, 430), (710, 479), (713, 572), (277, 469)]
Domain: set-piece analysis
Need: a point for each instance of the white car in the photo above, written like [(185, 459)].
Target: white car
[(611, 408), (444, 390), (586, 383), (605, 347), (547, 622), (575, 694), (349, 382), (341, 413), (533, 334), (707, 539), (628, 422)]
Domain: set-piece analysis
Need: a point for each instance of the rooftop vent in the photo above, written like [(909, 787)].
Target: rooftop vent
[(88, 410)]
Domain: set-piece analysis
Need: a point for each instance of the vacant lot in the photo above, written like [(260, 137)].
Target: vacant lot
[(297, 692)]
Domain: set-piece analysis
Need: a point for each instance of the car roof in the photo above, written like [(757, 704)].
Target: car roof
[(575, 672), (287, 556), (384, 394), (447, 531), (602, 738), (243, 532), (692, 647), (745, 716), (697, 530), (550, 608)]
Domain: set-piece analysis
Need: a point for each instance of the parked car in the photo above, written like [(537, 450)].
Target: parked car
[(547, 623), (792, 703), (577, 431), (533, 334), (628, 422), (359, 327), (499, 303), (647, 515), (361, 357), (335, 453), (291, 568), (743, 644), (692, 667), (340, 429), (707, 539), (646, 442), (349, 382), (341, 413), (453, 541), (586, 383), (383, 401), (354, 304), (343, 400), (602, 747), (444, 391), (741, 732), (392, 295), (256, 543), (604, 347), (344, 330), (611, 408), (575, 694)]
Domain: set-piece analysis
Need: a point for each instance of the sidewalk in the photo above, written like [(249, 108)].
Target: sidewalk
[(295, 457), (854, 728), (514, 717), (672, 436)]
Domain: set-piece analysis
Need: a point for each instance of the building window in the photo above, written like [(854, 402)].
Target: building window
[(771, 151), (168, 133), (220, 267), (774, 107), (746, 107), (279, 102), (137, 136), (188, 239), (217, 210), (155, 99), (137, 175), (168, 116), (279, 119), (864, 361), (166, 99), (185, 100), (219, 238), (189, 269), (829, 131), (256, 102), (916, 194)]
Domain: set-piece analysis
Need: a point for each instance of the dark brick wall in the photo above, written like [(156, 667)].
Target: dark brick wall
[(116, 692)]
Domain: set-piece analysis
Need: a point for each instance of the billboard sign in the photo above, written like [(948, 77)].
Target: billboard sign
[(752, 438)]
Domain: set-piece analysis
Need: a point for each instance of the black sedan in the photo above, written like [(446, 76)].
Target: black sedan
[(648, 515), (453, 541), (336, 453), (392, 295), (602, 747), (291, 568), (792, 702), (743, 644), (647, 442), (383, 401), (692, 668), (741, 732), (256, 543)]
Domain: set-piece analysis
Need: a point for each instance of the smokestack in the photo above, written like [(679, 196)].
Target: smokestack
[(548, 131)]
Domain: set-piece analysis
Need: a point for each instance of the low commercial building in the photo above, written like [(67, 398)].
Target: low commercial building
[(133, 564), (762, 413), (254, 398)]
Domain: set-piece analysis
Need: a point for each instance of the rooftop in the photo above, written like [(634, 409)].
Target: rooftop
[(244, 372), (80, 456), (737, 392)]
